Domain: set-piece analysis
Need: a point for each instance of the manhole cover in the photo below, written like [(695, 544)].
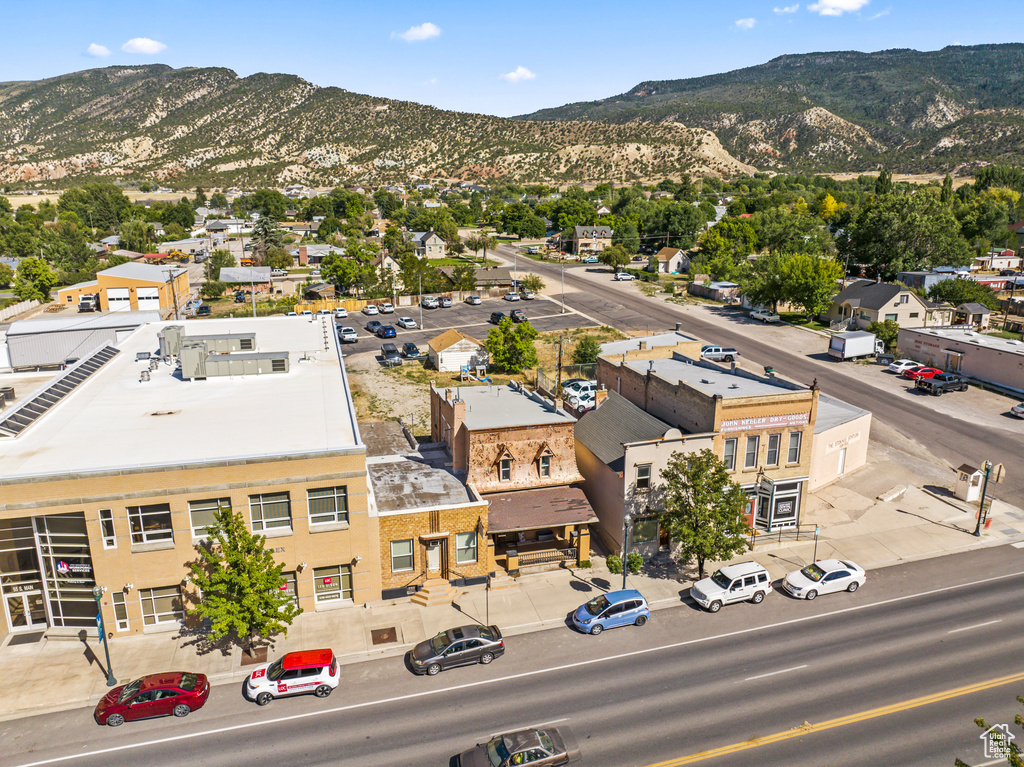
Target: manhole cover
[(384, 636), (260, 656)]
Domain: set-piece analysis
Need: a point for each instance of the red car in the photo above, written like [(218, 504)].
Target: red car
[(922, 372), (175, 693)]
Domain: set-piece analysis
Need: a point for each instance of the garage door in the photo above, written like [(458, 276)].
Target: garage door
[(117, 300), (149, 299)]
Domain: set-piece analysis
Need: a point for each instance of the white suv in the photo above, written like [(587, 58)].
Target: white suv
[(314, 671), (744, 582)]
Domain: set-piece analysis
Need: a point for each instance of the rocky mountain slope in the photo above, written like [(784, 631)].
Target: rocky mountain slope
[(845, 110), (211, 127)]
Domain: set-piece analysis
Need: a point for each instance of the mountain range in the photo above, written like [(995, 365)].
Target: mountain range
[(901, 109)]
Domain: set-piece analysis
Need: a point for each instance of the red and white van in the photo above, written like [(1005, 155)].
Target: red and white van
[(314, 671)]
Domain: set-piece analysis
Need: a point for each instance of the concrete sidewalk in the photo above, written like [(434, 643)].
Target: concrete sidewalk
[(919, 524)]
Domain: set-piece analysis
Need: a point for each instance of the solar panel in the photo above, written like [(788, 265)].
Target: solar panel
[(19, 419)]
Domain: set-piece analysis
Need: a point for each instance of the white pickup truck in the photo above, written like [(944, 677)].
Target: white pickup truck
[(764, 315), (718, 353)]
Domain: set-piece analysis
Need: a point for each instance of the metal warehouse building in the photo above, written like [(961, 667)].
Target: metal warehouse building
[(50, 342)]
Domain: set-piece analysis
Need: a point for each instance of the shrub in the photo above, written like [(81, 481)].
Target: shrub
[(634, 561), (584, 564), (614, 564)]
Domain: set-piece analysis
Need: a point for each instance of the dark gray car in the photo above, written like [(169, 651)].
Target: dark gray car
[(547, 746), (461, 646)]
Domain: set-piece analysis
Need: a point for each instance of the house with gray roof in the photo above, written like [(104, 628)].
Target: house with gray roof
[(858, 305), (621, 451), (591, 239), (974, 314), (427, 244)]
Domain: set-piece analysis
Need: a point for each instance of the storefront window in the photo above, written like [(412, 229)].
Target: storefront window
[(290, 587), (333, 584), (644, 530)]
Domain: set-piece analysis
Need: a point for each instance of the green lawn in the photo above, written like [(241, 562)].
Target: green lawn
[(795, 318)]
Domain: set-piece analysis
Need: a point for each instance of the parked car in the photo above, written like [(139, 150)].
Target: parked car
[(204, 311), (278, 272), (921, 371), (386, 308), (900, 366), (527, 295), (341, 313), (824, 577), (497, 317), (175, 693), (611, 610), (390, 355), (428, 302), (583, 402), (410, 350), (372, 325), (517, 315), (370, 310), (940, 383), (474, 300), (624, 277), (578, 387), (743, 582), (1018, 410), (348, 335), (534, 746), (511, 296), (718, 353), (323, 312), (407, 322), (295, 673), (445, 302), (457, 647), (764, 316), (591, 260), (385, 331), (305, 313)]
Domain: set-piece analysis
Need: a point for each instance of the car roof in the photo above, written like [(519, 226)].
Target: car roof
[(307, 659), (829, 565), (741, 568), (621, 596), (521, 739), (463, 632), (160, 681)]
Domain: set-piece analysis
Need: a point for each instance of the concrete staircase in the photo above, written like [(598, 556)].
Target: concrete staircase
[(503, 581), (435, 591)]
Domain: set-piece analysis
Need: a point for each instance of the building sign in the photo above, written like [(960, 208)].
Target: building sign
[(842, 442), (765, 422)]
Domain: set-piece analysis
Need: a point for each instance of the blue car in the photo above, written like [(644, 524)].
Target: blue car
[(386, 331), (611, 610)]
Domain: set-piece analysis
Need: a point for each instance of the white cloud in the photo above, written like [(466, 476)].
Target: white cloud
[(745, 23), (98, 51), (424, 31), (836, 7), (431, 81), (518, 74), (143, 45), (787, 8), (880, 14)]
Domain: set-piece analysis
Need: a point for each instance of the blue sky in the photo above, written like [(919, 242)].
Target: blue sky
[(495, 58)]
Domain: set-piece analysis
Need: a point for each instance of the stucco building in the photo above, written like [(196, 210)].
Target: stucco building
[(987, 359), (133, 287)]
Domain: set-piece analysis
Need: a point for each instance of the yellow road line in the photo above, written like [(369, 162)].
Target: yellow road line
[(797, 732)]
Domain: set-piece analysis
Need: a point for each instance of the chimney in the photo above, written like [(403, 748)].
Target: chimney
[(643, 346)]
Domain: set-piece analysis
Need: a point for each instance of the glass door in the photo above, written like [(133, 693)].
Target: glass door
[(25, 611)]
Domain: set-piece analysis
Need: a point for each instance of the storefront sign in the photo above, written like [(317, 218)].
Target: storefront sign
[(765, 422), (842, 442)]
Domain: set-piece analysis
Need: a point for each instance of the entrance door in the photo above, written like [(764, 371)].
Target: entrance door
[(26, 611), (434, 557), (842, 461)]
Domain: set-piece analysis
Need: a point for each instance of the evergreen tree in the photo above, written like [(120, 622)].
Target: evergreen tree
[(239, 583), (946, 195)]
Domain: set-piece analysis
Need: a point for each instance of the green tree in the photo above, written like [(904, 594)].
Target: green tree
[(6, 276), (100, 204), (218, 260), (239, 583), (519, 219), (961, 291), (811, 281), (903, 234), (764, 283), (888, 331), (218, 200), (586, 350), (482, 240), (34, 280), (200, 198), (136, 235), (735, 238), (946, 195), (883, 184), (387, 203), (626, 234), (703, 508), (265, 235), (464, 277), (532, 282), (510, 346), (344, 273), (679, 220), (278, 258), (614, 256), (212, 289)]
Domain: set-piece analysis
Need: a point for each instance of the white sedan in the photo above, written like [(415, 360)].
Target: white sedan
[(900, 366), (511, 296), (824, 577), (341, 313), (407, 322), (371, 309), (1018, 410)]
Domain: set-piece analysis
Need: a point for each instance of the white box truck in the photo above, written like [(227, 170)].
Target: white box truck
[(854, 345)]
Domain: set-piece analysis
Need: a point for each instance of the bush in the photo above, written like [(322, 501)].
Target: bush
[(213, 289), (670, 288), (584, 564), (635, 562), (614, 564)]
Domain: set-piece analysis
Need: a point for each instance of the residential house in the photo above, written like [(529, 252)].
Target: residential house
[(305, 255), (453, 351), (603, 210), (428, 244), (720, 290), (517, 451), (133, 287), (670, 261), (997, 260), (924, 280), (385, 261), (866, 301), (227, 226), (973, 314), (301, 228), (158, 228), (591, 239)]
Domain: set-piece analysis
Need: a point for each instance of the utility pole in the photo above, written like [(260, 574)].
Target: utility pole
[(563, 289), (174, 292)]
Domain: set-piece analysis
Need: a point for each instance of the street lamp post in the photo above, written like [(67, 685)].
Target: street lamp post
[(97, 593), (981, 508), (563, 289), (625, 547)]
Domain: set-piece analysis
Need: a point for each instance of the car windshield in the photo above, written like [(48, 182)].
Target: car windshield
[(486, 633), (275, 669), (597, 605), (497, 753), (439, 643), (129, 690), (813, 572), (188, 682), (546, 742), (721, 580)]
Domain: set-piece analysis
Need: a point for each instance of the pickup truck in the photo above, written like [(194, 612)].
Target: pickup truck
[(941, 383), (764, 315), (718, 353)]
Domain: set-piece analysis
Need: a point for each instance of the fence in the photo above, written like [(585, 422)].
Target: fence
[(551, 556), (18, 308), (798, 533), (547, 378)]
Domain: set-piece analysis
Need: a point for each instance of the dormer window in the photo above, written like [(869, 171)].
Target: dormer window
[(544, 466), (505, 470)]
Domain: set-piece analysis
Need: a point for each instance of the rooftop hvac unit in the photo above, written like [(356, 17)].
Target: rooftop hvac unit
[(193, 360), (171, 339)]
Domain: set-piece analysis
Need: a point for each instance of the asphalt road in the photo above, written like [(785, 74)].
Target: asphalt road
[(836, 681), (955, 441)]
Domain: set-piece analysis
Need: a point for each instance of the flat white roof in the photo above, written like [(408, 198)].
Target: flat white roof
[(492, 407), (147, 272), (109, 421), (972, 338), (633, 344), (710, 380)]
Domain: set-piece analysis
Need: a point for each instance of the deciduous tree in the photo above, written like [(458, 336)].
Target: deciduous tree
[(510, 346), (219, 259), (34, 280), (586, 350), (960, 291)]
